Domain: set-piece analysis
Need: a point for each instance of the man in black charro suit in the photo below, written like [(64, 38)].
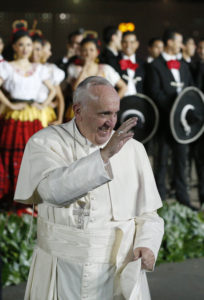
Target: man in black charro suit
[(167, 77), (131, 68)]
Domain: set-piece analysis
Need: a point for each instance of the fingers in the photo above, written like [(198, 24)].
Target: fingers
[(126, 126), (137, 253), (147, 257)]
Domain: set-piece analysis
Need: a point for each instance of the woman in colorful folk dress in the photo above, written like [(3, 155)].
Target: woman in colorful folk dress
[(41, 54), (23, 114), (87, 65)]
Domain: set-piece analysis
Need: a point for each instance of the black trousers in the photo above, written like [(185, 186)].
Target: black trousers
[(178, 164)]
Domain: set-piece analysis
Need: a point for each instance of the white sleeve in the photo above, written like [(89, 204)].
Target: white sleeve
[(58, 75), (149, 232), (44, 72), (73, 72), (67, 184), (5, 70), (111, 75)]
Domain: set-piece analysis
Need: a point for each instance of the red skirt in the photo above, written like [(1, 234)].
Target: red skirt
[(13, 138), (16, 127)]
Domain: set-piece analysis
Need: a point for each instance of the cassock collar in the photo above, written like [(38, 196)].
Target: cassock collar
[(83, 141)]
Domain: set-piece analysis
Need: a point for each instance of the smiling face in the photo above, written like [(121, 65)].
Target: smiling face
[(97, 117), (129, 44), (23, 47), (89, 51)]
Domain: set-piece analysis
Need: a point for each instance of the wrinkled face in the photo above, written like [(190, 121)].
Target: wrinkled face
[(1, 45), (97, 118), (190, 47), (75, 44), (37, 52), (46, 51), (175, 44), (23, 47), (200, 50), (156, 49), (129, 44), (117, 39), (89, 51)]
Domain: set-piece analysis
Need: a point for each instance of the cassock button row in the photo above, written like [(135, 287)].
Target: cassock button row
[(88, 265)]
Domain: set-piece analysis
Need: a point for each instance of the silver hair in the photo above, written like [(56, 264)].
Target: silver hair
[(82, 94)]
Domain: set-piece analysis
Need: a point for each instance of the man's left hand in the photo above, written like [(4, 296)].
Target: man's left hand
[(147, 257)]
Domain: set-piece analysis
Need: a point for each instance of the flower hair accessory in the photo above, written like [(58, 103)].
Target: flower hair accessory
[(19, 25)]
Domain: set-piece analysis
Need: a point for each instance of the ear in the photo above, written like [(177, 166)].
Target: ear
[(77, 110)]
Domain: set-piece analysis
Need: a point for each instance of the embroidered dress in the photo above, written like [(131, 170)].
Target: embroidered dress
[(17, 126)]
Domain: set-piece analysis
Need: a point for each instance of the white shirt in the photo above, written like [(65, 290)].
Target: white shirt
[(131, 87), (150, 59), (175, 72)]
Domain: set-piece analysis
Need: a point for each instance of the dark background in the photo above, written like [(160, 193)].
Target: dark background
[(59, 17)]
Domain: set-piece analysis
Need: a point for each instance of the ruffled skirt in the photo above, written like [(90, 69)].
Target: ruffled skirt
[(16, 127)]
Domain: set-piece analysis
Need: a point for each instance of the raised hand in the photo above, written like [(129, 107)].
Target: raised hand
[(118, 139)]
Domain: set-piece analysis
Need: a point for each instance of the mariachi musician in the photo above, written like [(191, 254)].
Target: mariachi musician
[(135, 102), (167, 77), (131, 69)]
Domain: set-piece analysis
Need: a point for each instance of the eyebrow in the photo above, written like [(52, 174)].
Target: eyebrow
[(106, 112)]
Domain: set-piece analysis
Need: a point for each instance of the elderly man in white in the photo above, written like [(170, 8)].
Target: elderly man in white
[(98, 228)]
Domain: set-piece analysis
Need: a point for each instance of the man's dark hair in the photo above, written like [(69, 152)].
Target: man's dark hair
[(169, 34), (74, 33), (153, 40), (108, 32), (129, 33)]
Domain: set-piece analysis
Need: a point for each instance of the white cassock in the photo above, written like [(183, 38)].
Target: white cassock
[(90, 218)]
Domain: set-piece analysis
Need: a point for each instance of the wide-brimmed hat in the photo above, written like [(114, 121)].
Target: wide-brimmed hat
[(142, 107), (187, 116)]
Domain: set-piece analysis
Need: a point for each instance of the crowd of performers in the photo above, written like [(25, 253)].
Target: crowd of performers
[(35, 94)]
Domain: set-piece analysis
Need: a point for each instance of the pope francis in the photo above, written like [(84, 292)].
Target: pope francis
[(98, 230)]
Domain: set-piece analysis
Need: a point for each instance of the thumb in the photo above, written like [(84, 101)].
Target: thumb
[(137, 253)]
